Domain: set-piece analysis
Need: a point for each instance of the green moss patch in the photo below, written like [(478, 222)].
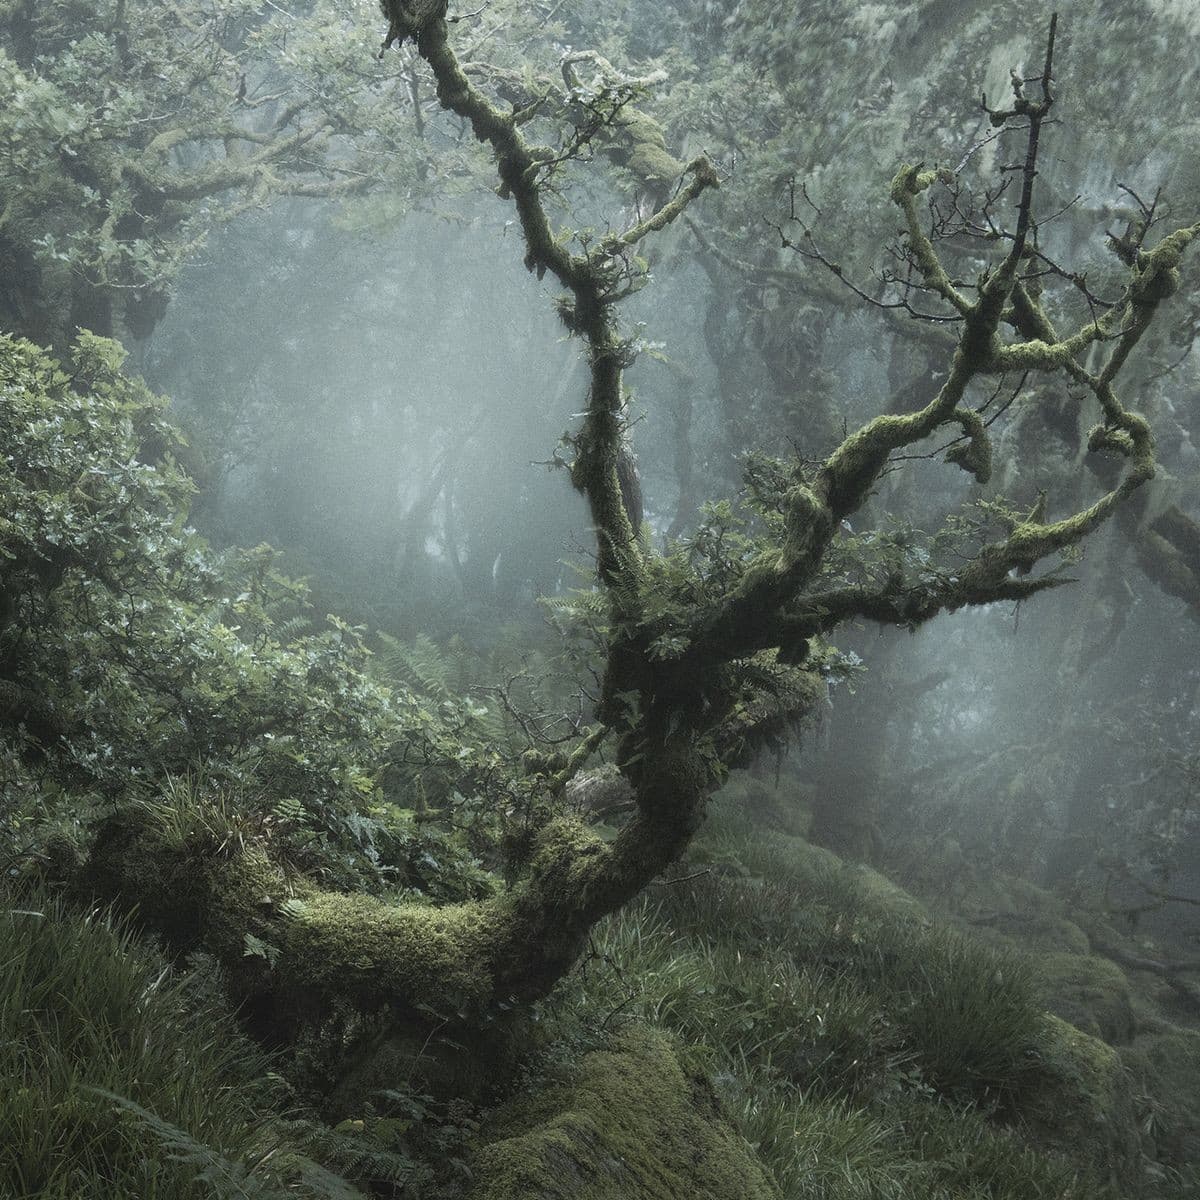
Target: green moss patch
[(1091, 993), (1081, 1102), (630, 1125)]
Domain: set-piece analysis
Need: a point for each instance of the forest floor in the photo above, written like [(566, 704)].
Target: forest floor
[(767, 1021)]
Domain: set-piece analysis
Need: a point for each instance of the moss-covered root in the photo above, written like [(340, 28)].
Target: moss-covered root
[(297, 953), (631, 1125), (293, 951)]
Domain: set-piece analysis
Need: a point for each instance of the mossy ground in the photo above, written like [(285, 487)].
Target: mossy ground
[(627, 1122), (768, 1021), (867, 1044), (1137, 1072)]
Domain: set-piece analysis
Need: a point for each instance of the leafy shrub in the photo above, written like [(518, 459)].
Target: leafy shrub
[(134, 656)]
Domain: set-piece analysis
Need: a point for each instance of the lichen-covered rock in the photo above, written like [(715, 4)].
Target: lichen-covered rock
[(1081, 1103), (631, 1124), (1091, 993)]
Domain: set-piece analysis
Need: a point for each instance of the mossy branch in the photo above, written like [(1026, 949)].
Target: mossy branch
[(591, 280), (907, 186), (975, 454), (578, 757), (703, 176), (215, 178), (768, 606)]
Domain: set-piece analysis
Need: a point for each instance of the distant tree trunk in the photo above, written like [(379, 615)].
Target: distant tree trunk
[(682, 417)]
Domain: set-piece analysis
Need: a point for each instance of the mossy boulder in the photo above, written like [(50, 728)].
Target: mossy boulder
[(765, 806), (1091, 993), (1006, 908), (820, 875), (1080, 1103), (1167, 1069), (629, 1124)]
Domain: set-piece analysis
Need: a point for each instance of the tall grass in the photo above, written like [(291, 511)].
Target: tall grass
[(859, 1046), (104, 1051)]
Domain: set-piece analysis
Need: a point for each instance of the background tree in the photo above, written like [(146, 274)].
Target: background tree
[(131, 128)]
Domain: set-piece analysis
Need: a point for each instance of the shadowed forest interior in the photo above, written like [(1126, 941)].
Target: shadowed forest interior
[(599, 602)]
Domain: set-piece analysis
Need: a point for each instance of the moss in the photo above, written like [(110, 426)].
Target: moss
[(909, 182), (1167, 1068), (1156, 276), (1081, 1102), (630, 1125), (326, 949), (646, 154), (1091, 993), (280, 936), (359, 948)]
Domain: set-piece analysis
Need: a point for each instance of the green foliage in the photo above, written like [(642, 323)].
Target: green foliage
[(126, 135), (89, 479), (225, 1178), (155, 667), (847, 1003), (205, 686), (445, 676), (507, 716)]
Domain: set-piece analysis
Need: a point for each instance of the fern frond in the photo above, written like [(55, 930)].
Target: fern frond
[(232, 1179)]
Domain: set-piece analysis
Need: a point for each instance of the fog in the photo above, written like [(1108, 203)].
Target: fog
[(676, 476), (386, 402)]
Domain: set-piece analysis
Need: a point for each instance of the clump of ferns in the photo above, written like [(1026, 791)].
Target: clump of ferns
[(271, 1172)]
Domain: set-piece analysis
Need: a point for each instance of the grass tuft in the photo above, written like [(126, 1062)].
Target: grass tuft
[(121, 1079), (861, 1047)]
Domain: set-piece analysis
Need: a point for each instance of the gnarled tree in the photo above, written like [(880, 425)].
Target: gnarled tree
[(711, 647)]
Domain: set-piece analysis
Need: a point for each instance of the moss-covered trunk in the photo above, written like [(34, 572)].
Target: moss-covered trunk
[(296, 953)]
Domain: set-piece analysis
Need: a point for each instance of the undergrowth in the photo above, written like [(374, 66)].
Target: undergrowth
[(123, 1079), (866, 1052)]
